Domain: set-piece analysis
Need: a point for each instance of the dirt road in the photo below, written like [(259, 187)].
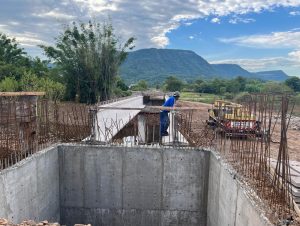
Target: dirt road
[(293, 131)]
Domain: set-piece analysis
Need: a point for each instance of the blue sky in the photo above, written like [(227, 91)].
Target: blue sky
[(257, 34)]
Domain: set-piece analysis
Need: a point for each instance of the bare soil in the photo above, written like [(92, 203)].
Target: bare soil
[(293, 131)]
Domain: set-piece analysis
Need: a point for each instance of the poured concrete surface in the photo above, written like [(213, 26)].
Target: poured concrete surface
[(121, 186), (111, 121), (30, 189), (228, 203), (125, 186)]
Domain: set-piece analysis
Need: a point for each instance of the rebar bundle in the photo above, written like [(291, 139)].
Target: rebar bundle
[(28, 124), (248, 151)]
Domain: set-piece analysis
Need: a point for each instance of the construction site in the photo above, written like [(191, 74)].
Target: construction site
[(233, 164)]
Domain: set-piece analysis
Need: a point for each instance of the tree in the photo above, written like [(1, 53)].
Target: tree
[(293, 83), (276, 87), (90, 56), (140, 86), (13, 60), (10, 53), (233, 86), (121, 89), (173, 84), (242, 82), (31, 82), (9, 84)]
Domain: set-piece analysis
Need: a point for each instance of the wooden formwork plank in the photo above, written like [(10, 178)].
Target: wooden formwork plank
[(14, 94)]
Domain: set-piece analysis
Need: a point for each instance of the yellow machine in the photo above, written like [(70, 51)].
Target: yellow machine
[(234, 119)]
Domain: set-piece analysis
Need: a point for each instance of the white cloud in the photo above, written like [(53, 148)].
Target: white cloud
[(295, 13), (142, 17), (295, 55), (98, 5), (160, 41), (29, 40), (259, 64), (237, 20), (191, 37), (290, 63), (55, 14), (287, 39), (188, 23), (149, 21), (215, 20)]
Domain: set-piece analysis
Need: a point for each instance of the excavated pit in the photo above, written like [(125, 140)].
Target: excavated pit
[(98, 185)]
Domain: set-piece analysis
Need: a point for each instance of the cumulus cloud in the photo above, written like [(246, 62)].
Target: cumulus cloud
[(290, 64), (237, 20), (98, 5), (295, 55), (295, 13), (215, 20), (149, 21), (188, 23), (287, 39), (260, 64), (56, 14)]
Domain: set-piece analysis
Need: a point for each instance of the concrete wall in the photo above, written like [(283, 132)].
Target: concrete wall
[(125, 186), (228, 203), (119, 186), (30, 189)]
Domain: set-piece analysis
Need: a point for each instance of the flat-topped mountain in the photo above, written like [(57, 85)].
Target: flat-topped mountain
[(154, 65)]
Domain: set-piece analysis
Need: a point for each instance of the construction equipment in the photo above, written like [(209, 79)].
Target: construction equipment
[(233, 119)]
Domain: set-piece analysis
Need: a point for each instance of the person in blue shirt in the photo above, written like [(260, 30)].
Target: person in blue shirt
[(164, 114)]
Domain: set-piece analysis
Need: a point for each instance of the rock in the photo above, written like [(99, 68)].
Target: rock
[(3, 221)]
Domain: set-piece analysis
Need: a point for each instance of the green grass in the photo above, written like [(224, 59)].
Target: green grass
[(210, 98), (199, 97)]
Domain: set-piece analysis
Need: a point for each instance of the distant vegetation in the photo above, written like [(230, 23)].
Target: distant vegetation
[(207, 91)]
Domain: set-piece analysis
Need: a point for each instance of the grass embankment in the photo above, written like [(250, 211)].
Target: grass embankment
[(199, 97)]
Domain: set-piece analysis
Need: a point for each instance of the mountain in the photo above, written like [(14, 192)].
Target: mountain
[(278, 75), (155, 65), (231, 71)]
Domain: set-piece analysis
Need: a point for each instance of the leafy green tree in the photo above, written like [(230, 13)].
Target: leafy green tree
[(10, 53), (242, 82), (121, 89), (293, 83), (140, 86), (121, 84), (222, 90), (172, 84), (13, 60), (233, 86), (39, 67), (31, 82), (9, 84), (54, 90), (253, 88), (276, 87), (90, 56)]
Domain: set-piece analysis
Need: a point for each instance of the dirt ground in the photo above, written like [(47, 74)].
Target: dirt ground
[(5, 222), (293, 131)]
